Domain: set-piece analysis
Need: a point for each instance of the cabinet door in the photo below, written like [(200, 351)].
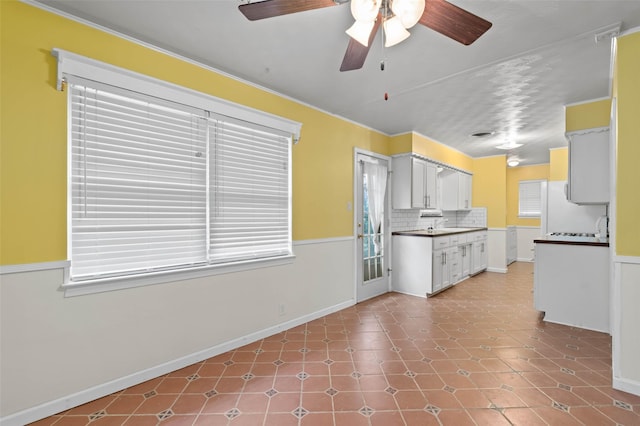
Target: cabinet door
[(454, 262), (456, 191), (465, 259), (418, 183), (439, 270), (476, 259), (464, 194), (589, 167), (431, 187)]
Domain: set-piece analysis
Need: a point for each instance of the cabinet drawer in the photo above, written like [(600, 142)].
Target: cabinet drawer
[(479, 236), (441, 242)]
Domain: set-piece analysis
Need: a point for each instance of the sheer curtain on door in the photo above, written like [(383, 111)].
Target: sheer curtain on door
[(376, 184)]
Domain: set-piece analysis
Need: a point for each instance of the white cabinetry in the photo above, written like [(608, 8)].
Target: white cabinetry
[(414, 183), (589, 166), (456, 190), (479, 258), (423, 266), (571, 285)]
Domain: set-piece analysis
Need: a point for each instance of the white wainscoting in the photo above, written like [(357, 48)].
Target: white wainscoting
[(497, 242), (525, 237), (626, 317), (60, 352)]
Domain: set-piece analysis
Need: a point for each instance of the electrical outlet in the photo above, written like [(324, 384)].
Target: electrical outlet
[(281, 310)]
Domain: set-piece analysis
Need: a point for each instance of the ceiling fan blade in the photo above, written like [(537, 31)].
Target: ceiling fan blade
[(454, 22), (270, 8), (356, 53)]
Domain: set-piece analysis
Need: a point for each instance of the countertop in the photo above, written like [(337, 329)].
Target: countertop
[(577, 241), (437, 232)]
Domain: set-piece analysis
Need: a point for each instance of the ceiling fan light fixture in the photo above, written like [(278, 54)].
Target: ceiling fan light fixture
[(365, 10), (360, 31), (408, 11), (394, 31)]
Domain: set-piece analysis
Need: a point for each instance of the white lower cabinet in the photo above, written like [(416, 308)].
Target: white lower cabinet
[(423, 266), (479, 258), (465, 258)]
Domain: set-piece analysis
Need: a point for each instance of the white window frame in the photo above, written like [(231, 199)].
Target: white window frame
[(72, 66), (529, 214)]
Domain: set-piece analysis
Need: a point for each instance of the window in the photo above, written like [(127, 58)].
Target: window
[(529, 198), (158, 185)]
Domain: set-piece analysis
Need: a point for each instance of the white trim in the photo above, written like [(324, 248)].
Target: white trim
[(160, 277), (634, 260), (588, 101), (558, 148), (322, 241), (581, 132), (62, 264), (626, 385), (524, 259), (74, 65), (526, 227), (629, 31), (498, 270), (52, 407), (31, 267)]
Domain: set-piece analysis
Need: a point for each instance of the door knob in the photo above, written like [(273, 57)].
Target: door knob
[(360, 236)]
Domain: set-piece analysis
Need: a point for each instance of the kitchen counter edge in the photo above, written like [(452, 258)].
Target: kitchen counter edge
[(425, 233), (591, 242)]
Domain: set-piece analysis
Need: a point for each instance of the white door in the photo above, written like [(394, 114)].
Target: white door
[(371, 217)]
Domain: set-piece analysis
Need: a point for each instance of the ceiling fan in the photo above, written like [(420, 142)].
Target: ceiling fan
[(396, 16)]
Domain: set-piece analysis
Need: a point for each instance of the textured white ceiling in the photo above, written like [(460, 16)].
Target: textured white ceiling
[(515, 80)]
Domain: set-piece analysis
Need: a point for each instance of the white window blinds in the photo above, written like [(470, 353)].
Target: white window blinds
[(249, 190), (138, 185), (159, 186), (530, 198)]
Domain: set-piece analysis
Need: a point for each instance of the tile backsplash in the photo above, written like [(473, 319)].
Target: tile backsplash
[(408, 220)]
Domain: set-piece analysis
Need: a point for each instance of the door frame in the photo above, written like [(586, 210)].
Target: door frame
[(356, 210)]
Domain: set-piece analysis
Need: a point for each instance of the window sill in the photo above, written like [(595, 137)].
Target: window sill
[(140, 280)]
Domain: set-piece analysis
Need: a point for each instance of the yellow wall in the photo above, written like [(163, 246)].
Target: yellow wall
[(627, 92), (414, 142), (588, 115), (559, 164), (514, 176), (490, 188), (33, 133), (440, 152)]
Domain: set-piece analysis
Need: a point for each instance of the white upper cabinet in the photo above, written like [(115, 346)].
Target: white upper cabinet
[(456, 190), (414, 183), (588, 181)]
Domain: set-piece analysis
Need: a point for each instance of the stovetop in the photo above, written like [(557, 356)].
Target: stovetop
[(572, 234)]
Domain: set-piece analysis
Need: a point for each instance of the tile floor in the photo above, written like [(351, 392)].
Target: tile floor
[(475, 354)]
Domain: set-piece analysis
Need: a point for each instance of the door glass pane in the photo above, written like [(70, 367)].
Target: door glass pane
[(372, 241)]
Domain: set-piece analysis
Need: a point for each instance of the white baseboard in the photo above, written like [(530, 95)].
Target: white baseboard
[(499, 270), (52, 407), (626, 385), (529, 259)]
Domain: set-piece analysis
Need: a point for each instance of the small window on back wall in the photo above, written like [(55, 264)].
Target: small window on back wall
[(530, 198)]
